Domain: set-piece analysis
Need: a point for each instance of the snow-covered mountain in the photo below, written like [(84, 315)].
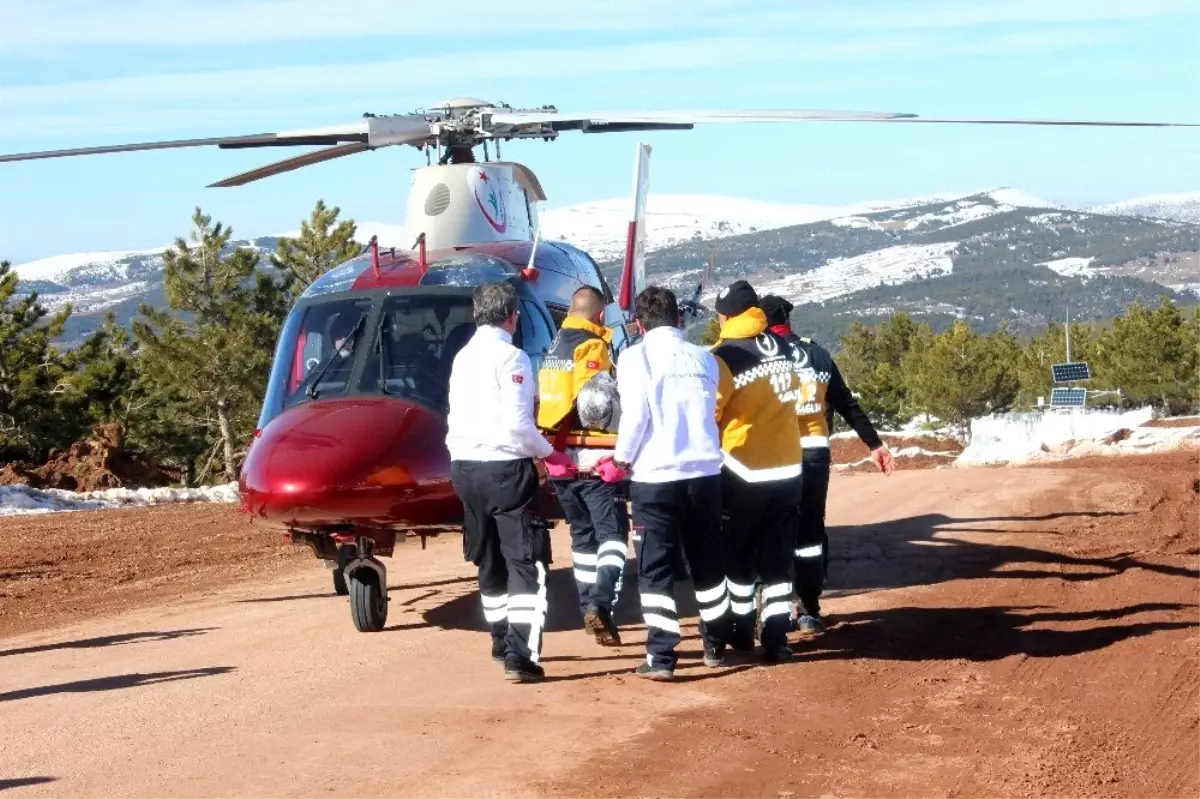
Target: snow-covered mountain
[(811, 253), (1183, 207), (599, 227), (96, 281)]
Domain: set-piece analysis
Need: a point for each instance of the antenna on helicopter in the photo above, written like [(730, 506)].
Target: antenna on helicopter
[(419, 246), (530, 272), (374, 245)]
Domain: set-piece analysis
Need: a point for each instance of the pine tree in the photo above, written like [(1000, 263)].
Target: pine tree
[(711, 332), (30, 371), (324, 242), (214, 360), (1151, 356), (100, 379), (961, 375), (872, 363)]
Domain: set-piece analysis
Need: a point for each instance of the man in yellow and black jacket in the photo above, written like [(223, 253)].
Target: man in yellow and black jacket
[(822, 391), (594, 509), (760, 437)]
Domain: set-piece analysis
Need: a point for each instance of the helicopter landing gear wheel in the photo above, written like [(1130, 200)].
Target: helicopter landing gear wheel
[(368, 602), (366, 578)]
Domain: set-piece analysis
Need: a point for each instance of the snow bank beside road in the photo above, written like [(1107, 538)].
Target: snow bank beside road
[(17, 499), (1025, 438)]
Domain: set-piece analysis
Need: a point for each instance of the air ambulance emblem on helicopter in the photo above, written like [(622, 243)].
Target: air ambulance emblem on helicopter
[(489, 198)]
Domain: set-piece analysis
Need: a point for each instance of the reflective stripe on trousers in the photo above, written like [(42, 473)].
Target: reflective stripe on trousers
[(495, 608)]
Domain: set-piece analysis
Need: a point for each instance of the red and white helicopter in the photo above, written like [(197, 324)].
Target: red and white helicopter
[(350, 447)]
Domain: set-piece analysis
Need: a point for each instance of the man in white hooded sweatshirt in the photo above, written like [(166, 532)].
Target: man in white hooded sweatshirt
[(668, 441)]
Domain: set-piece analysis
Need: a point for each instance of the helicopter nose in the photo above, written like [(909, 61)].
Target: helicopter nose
[(376, 462)]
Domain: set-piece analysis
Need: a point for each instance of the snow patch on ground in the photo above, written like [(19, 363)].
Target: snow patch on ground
[(56, 267), (1026, 438), (900, 264), (93, 300), (1071, 267), (19, 500), (962, 213), (1018, 198), (1182, 207), (903, 452), (600, 227)]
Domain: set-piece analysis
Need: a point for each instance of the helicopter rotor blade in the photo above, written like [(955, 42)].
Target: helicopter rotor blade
[(611, 121), (223, 141), (622, 120), (288, 164), (1050, 122), (372, 131)]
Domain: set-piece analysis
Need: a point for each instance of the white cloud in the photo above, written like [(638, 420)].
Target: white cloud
[(32, 28), (981, 13), (174, 22), (409, 74), (450, 70)]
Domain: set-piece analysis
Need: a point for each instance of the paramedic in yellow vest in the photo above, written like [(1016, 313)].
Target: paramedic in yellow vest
[(760, 437), (594, 509), (823, 391)]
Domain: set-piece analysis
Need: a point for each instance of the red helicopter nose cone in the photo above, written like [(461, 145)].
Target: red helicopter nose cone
[(368, 461)]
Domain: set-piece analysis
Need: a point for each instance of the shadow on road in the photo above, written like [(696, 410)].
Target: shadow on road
[(109, 640), (113, 683), (981, 634), (918, 551), (896, 554), (21, 782)]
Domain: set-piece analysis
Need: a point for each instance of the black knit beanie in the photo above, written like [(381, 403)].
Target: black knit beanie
[(737, 298), (777, 309)]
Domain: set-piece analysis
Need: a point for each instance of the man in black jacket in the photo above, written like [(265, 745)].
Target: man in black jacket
[(823, 391)]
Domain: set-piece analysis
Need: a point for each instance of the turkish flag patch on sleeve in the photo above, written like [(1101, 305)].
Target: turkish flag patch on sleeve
[(518, 378), (593, 364)]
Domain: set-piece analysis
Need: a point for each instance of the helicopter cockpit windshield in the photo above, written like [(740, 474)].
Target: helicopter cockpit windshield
[(417, 337), (399, 345)]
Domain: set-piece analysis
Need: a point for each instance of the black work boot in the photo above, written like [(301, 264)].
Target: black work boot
[(598, 621), (658, 673), (518, 669)]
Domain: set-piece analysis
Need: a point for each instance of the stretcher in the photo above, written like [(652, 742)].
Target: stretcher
[(587, 449)]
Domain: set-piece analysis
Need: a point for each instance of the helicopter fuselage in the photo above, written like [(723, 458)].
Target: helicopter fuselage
[(351, 439)]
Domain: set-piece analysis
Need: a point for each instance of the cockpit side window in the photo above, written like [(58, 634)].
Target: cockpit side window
[(322, 354)]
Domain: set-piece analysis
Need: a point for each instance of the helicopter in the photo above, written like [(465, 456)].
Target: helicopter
[(349, 451)]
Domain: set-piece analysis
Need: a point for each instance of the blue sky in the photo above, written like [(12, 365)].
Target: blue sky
[(81, 72)]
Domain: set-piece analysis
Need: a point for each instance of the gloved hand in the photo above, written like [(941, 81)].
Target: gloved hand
[(608, 471), (560, 466)]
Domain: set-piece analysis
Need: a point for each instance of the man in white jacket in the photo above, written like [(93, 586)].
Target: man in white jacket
[(668, 440), (496, 464)]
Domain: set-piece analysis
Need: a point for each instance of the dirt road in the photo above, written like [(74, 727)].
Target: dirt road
[(1023, 632)]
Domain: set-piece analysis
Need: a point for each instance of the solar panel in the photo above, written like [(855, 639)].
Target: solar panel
[(1068, 397), (1068, 372)]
